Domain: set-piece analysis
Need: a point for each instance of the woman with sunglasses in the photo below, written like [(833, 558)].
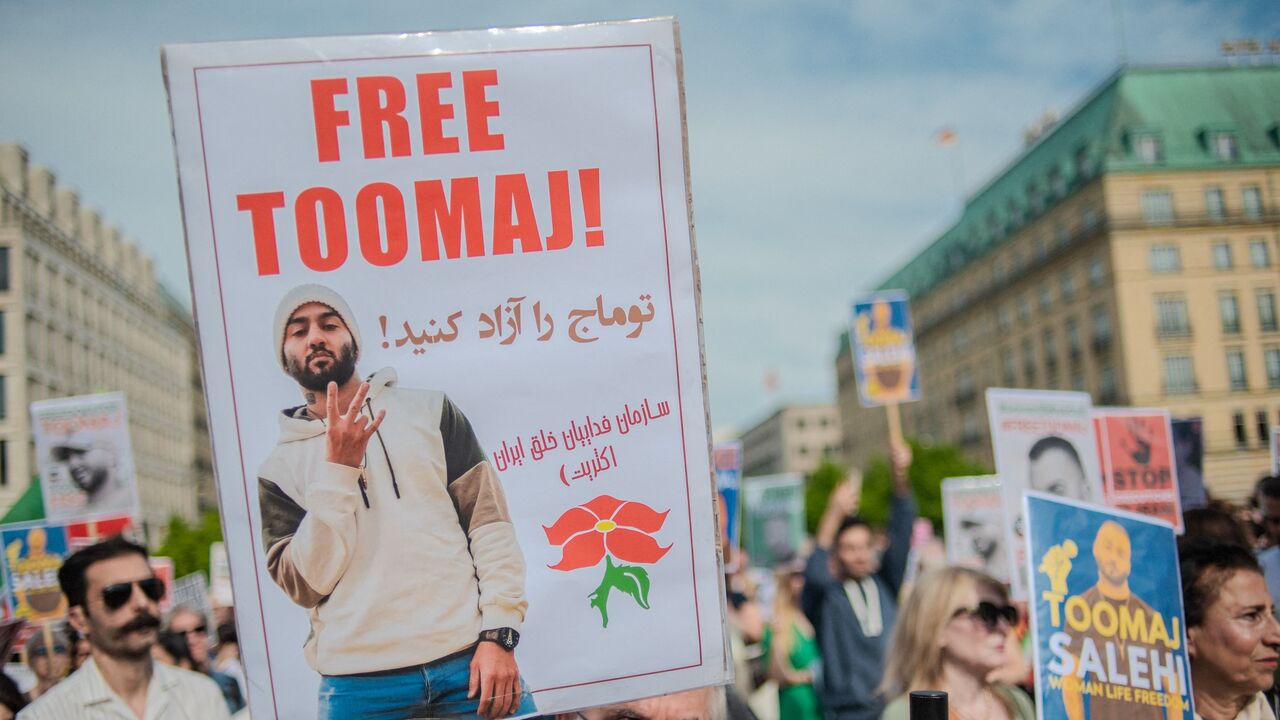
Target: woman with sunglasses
[(951, 635)]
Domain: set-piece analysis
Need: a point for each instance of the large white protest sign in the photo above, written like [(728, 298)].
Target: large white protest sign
[(84, 456), (492, 226), (1042, 440)]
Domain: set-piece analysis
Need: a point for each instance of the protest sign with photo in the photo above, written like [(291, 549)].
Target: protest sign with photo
[(191, 591), (973, 516), (773, 518), (84, 456), (86, 533), (220, 576), (33, 555), (493, 228), (163, 569), (1109, 632), (1042, 440), (1275, 449), (727, 461), (1188, 453), (884, 351), (1139, 474)]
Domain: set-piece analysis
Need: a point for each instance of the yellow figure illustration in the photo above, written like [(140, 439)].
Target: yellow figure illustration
[(887, 364), (1056, 563), (35, 578)]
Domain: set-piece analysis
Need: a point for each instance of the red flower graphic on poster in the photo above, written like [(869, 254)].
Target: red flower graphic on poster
[(603, 529)]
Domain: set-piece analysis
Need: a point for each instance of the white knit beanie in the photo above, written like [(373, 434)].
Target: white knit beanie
[(310, 293)]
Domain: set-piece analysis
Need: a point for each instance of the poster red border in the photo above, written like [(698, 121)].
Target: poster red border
[(670, 297)]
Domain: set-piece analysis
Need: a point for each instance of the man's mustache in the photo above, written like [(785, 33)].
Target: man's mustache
[(319, 353), (144, 621)]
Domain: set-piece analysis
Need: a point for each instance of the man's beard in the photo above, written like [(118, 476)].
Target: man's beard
[(339, 370)]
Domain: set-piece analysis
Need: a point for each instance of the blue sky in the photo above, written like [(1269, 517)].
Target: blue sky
[(811, 128)]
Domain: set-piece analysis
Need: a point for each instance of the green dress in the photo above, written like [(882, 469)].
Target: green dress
[(797, 702)]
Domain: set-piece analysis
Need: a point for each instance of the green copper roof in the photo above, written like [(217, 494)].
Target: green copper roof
[(1181, 107)]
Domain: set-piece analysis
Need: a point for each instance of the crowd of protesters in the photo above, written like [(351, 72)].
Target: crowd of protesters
[(843, 636), (848, 631)]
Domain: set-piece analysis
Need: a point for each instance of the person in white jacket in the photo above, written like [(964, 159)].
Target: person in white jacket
[(382, 516)]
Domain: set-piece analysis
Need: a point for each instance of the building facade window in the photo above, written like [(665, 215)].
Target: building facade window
[(1263, 426), (4, 269), (1045, 294), (1271, 358), (1179, 375), (1236, 377), (1101, 322), (1024, 309), (1224, 147), (1003, 318), (1067, 285), (1251, 201), (1084, 163), (1242, 433), (1147, 148), (1028, 362), (1222, 255), (1266, 310), (1171, 316), (1089, 218), (1107, 385), (1259, 253), (1010, 371), (1164, 258), (1229, 311), (1215, 205), (1061, 236), (1072, 331), (4, 463), (4, 399), (1096, 272), (1050, 343), (1157, 206), (1057, 182)]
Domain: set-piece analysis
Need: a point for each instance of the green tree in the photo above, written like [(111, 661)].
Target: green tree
[(929, 467), (188, 544), (817, 490)]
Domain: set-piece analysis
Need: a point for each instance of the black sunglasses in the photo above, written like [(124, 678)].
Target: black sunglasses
[(990, 614), (115, 596), (201, 628)]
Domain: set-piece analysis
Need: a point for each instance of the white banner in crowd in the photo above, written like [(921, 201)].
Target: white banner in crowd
[(973, 514), (84, 457), (493, 227), (1042, 440)]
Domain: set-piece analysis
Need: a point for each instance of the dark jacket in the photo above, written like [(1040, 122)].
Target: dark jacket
[(852, 663)]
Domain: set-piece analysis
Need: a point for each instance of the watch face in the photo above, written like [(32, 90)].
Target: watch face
[(508, 638)]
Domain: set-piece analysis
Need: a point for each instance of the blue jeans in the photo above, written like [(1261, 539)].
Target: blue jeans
[(437, 689)]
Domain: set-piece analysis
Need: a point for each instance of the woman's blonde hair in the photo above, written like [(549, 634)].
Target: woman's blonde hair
[(915, 656)]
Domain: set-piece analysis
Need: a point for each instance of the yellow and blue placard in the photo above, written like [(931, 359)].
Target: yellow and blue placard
[(1109, 633), (884, 351), (33, 556)]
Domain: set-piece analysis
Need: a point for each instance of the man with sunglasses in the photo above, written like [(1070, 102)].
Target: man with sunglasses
[(113, 598)]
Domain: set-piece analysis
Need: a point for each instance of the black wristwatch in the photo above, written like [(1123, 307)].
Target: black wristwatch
[(507, 638)]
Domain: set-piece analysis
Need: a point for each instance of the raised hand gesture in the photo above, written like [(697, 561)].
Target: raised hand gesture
[(348, 433)]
